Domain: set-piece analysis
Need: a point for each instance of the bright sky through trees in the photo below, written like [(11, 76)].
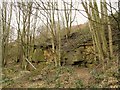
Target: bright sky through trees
[(80, 15)]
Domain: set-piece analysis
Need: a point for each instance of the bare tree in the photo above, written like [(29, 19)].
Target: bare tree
[(6, 28), (68, 16), (107, 21), (18, 18), (59, 38), (26, 37), (98, 29), (52, 6)]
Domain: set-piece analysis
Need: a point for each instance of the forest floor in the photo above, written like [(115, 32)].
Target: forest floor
[(50, 77), (56, 77)]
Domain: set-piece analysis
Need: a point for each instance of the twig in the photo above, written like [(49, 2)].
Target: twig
[(30, 63)]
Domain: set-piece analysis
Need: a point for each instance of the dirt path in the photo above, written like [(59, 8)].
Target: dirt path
[(83, 74)]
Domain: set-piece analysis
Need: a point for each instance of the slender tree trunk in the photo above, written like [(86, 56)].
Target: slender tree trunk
[(6, 29), (1, 37), (110, 39), (19, 56), (23, 37), (29, 7), (68, 18), (97, 31), (4, 33), (34, 32), (103, 37), (59, 40), (119, 41), (109, 30)]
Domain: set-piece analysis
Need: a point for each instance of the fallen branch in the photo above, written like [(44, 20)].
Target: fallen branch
[(30, 63)]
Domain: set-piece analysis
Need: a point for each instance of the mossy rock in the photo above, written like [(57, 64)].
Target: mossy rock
[(89, 65), (38, 55)]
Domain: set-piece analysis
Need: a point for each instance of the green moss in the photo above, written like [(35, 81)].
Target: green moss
[(79, 84), (38, 55)]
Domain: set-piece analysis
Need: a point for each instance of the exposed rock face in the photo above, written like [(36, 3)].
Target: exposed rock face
[(49, 55), (75, 49)]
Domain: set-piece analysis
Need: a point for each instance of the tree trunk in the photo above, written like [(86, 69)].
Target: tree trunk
[(1, 37), (4, 33), (59, 40), (119, 39), (6, 29)]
